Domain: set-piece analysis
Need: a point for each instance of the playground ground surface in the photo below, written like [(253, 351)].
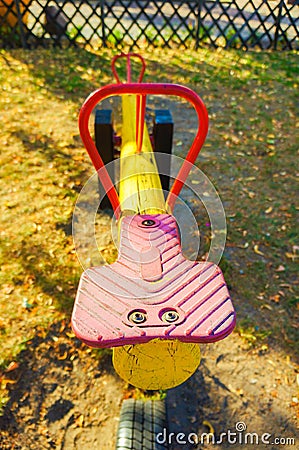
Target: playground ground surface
[(57, 393)]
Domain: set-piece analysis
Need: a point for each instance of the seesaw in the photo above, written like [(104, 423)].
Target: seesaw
[(152, 306)]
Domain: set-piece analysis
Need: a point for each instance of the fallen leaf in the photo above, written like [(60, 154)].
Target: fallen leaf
[(249, 336), (294, 404), (265, 306), (271, 362), (275, 298), (268, 210), (257, 251), (209, 425), (79, 421), (10, 205), (291, 256), (70, 334), (246, 245), (5, 381), (63, 144), (13, 365), (238, 391), (26, 304), (8, 289)]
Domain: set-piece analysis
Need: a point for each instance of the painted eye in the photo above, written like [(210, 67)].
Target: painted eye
[(170, 316), (137, 317), (148, 223)]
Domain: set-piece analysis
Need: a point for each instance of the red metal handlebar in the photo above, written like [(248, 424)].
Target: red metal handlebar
[(128, 57), (143, 89)]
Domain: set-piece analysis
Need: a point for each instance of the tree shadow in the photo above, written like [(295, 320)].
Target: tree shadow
[(51, 277), (41, 144), (51, 376), (62, 72)]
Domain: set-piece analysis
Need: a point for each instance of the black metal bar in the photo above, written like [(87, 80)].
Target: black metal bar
[(283, 34), (277, 24), (20, 23), (103, 130), (199, 22), (163, 133), (293, 23), (103, 23)]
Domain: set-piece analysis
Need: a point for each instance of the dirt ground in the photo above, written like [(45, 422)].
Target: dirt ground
[(68, 397), (65, 396)]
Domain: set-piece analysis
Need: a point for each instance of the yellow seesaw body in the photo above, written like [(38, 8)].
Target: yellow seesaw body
[(159, 364)]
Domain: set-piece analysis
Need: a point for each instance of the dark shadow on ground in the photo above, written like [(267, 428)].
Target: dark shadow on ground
[(227, 390)]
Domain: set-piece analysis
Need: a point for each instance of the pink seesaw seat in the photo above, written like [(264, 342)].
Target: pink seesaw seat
[(152, 276)]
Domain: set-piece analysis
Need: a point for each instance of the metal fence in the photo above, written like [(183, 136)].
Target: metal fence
[(94, 24)]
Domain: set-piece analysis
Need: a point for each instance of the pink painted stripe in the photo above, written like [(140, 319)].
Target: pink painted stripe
[(222, 321), (170, 253), (89, 285), (209, 295), (204, 316), (157, 241), (196, 292), (98, 300), (112, 281), (96, 322), (106, 284)]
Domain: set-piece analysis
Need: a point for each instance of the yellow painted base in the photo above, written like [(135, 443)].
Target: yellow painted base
[(158, 364), (140, 190)]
